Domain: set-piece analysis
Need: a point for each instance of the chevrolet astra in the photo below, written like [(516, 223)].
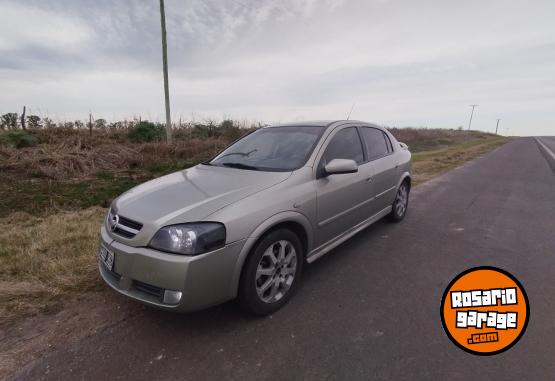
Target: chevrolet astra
[(244, 223)]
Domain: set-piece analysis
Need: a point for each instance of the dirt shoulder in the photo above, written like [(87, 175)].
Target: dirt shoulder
[(28, 339)]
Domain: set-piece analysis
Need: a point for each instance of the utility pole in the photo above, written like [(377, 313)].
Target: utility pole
[(90, 123), (471, 114), (165, 65), (23, 119), (497, 126)]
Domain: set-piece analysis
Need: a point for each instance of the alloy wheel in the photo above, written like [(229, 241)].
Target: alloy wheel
[(276, 271), (401, 200)]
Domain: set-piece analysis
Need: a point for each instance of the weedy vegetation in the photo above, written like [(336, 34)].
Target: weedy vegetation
[(57, 179)]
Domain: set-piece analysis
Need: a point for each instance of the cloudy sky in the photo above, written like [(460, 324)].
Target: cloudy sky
[(401, 62)]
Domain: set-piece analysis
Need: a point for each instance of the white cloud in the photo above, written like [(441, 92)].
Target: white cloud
[(402, 62), (22, 26)]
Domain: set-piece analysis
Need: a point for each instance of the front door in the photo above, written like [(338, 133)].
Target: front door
[(340, 197)]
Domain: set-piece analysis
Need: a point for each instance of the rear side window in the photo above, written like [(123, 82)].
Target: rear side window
[(344, 145), (377, 144), (388, 142)]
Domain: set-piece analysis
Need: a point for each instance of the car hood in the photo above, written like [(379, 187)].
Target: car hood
[(192, 194)]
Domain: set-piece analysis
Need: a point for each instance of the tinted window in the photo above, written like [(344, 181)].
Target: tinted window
[(271, 149), (344, 145), (376, 145)]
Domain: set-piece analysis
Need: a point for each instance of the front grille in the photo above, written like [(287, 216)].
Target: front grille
[(130, 223), (126, 227), (148, 289)]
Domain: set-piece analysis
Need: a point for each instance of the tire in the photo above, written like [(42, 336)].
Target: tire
[(269, 278), (401, 203)]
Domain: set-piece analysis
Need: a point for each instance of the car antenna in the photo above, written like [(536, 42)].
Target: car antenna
[(352, 107)]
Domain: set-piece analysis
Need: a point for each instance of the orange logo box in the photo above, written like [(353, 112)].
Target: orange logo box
[(485, 310)]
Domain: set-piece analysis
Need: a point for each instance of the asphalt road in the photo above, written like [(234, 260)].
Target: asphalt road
[(369, 309)]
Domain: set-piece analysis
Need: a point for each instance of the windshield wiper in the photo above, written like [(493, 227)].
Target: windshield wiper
[(240, 166), (244, 154)]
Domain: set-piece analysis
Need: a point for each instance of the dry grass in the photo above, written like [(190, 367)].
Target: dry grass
[(43, 260), (428, 164), (77, 157), (427, 139), (71, 153)]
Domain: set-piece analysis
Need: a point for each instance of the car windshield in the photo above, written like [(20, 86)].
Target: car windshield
[(271, 149)]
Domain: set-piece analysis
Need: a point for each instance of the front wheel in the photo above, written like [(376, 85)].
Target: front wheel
[(271, 272), (401, 203)]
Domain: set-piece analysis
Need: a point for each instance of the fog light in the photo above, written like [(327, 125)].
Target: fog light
[(172, 297)]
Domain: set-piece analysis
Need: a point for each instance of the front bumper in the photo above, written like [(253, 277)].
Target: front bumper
[(145, 274)]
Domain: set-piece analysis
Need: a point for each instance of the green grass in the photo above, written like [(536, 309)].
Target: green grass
[(161, 169), (40, 196)]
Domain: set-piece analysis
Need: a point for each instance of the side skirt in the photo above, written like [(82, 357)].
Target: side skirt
[(333, 243)]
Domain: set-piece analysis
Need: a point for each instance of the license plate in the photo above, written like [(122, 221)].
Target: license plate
[(107, 257)]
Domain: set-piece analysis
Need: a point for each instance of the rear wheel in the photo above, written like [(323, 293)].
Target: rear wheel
[(271, 272), (401, 203)]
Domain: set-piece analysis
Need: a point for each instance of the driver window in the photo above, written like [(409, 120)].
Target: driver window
[(345, 144)]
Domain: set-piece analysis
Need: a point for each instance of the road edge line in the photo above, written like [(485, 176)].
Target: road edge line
[(546, 153)]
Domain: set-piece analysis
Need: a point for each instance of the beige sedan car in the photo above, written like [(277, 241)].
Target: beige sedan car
[(243, 224)]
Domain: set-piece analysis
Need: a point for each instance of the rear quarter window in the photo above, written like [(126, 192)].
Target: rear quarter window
[(376, 142)]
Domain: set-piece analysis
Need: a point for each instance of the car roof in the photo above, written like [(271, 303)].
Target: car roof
[(324, 123), (321, 123)]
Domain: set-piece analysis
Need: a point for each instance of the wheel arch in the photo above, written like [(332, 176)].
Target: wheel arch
[(294, 221), (405, 177)]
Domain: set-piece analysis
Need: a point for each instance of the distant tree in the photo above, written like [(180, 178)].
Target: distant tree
[(229, 129), (49, 123), (78, 124), (227, 124), (34, 121), (100, 123), (116, 125), (9, 121), (68, 125)]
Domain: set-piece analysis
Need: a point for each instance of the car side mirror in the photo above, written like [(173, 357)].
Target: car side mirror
[(337, 166)]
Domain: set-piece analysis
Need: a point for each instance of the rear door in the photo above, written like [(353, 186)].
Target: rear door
[(339, 196), (380, 153)]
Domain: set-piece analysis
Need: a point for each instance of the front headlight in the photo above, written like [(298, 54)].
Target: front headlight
[(189, 239)]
